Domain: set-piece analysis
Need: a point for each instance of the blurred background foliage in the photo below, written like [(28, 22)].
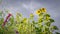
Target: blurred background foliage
[(22, 25)]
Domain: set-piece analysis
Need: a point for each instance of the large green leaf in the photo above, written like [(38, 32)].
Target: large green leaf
[(55, 27), (48, 24), (57, 32), (51, 20), (47, 15)]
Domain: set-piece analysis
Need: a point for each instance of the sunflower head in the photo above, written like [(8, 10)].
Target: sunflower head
[(38, 12), (43, 9)]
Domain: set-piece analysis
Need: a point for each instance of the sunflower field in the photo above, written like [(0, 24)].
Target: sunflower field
[(10, 24)]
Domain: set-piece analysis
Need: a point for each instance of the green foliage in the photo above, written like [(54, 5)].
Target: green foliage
[(54, 27), (57, 33), (28, 25), (51, 20)]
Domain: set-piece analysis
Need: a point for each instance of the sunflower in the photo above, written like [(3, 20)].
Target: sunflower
[(38, 12), (43, 9)]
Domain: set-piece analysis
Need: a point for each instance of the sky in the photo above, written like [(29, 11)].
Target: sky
[(30, 6)]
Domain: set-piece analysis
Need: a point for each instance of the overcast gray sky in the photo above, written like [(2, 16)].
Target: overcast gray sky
[(30, 6)]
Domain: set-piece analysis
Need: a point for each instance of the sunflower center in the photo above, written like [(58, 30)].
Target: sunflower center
[(38, 11), (42, 8)]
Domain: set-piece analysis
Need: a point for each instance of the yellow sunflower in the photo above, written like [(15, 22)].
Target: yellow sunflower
[(43, 9), (38, 12)]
